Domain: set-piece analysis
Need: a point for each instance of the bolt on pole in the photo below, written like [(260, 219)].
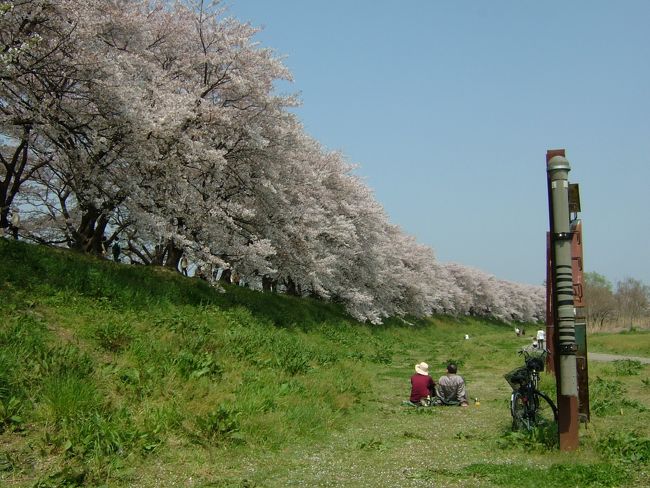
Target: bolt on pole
[(558, 168)]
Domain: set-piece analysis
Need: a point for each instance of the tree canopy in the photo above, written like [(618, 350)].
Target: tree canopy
[(156, 124)]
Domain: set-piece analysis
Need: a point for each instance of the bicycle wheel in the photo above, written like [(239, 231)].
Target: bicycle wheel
[(545, 411), (522, 410)]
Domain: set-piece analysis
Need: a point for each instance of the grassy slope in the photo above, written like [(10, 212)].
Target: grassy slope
[(122, 376)]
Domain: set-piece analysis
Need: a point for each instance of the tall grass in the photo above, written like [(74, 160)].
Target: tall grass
[(106, 360)]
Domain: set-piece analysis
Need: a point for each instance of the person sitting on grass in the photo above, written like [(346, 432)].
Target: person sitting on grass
[(422, 386), (451, 388)]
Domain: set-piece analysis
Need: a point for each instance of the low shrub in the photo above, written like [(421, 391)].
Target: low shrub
[(246, 343), (218, 426), (292, 358), (22, 336), (625, 447), (8, 389), (540, 438), (627, 367), (114, 336), (10, 412), (383, 354), (103, 434), (607, 397), (69, 398), (192, 365), (163, 418), (66, 359)]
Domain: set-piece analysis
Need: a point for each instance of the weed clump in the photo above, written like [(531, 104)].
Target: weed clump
[(625, 447), (193, 365), (627, 367), (219, 426), (114, 337), (608, 397), (10, 412), (539, 438)]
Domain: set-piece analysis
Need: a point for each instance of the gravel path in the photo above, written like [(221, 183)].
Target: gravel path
[(597, 356)]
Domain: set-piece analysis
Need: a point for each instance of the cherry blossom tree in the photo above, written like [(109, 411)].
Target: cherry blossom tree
[(157, 123), (81, 117), (30, 68)]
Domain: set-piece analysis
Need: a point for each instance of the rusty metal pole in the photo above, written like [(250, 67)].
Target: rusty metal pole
[(551, 339), (558, 168), (581, 321)]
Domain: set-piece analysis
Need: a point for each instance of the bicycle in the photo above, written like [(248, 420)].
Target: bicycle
[(530, 407)]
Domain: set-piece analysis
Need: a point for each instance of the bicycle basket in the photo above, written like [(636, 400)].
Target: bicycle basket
[(535, 363), (517, 377)]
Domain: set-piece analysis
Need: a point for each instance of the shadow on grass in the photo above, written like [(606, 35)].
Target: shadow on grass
[(49, 270), (32, 267)]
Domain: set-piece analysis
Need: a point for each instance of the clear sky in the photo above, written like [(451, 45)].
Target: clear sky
[(449, 106)]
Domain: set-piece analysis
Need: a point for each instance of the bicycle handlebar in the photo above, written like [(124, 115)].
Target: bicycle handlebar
[(538, 351)]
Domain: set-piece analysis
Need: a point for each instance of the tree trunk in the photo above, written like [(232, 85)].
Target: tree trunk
[(89, 236), (16, 172), (4, 217), (225, 275), (292, 288), (158, 256), (268, 283), (174, 255)]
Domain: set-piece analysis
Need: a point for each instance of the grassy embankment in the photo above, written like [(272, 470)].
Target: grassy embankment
[(114, 375)]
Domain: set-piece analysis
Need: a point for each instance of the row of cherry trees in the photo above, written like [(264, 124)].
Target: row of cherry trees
[(156, 124)]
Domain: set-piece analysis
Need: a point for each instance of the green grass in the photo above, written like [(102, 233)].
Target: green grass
[(601, 474), (635, 343), (113, 375)]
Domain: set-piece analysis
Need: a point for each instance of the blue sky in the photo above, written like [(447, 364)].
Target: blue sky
[(448, 108)]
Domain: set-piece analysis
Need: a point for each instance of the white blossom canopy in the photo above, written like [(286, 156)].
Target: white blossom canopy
[(156, 124)]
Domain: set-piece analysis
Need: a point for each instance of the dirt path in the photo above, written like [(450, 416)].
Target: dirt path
[(597, 356)]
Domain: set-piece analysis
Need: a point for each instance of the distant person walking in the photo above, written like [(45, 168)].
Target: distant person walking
[(451, 388), (184, 265)]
